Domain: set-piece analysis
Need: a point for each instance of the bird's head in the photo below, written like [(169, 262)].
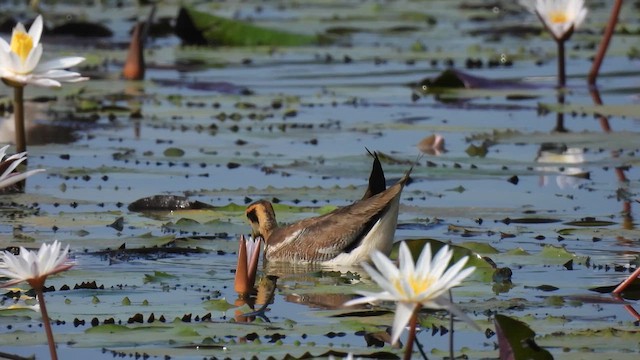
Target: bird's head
[(262, 219)]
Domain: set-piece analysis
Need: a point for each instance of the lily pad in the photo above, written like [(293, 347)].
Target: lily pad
[(198, 27)]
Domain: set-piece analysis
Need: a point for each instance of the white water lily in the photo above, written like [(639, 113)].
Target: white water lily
[(425, 283), (560, 17), (20, 60), (8, 165), (34, 267)]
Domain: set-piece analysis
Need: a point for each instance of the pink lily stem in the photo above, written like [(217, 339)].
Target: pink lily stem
[(47, 324), (623, 285), (632, 311), (562, 76), (562, 82), (451, 354), (18, 115), (18, 118), (604, 43), (412, 333)]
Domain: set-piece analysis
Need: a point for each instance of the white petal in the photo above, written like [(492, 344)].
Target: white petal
[(15, 63), (5, 61), (43, 82), (17, 156), (440, 261), (404, 311), (405, 259), (4, 46), (75, 80), (455, 274), (36, 30), (62, 63), (380, 279), (11, 167), (3, 151), (17, 178), (32, 60), (424, 261), (384, 265), (19, 28), (57, 74), (580, 17), (362, 300)]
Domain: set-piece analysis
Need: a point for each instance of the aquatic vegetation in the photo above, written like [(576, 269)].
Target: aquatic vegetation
[(212, 129)]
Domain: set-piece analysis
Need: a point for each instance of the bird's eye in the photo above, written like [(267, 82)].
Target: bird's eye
[(252, 216)]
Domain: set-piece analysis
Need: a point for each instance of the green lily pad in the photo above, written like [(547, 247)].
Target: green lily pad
[(516, 340), (158, 276), (196, 26)]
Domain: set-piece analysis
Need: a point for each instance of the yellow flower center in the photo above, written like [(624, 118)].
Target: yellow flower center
[(417, 285), (558, 17), (21, 44)]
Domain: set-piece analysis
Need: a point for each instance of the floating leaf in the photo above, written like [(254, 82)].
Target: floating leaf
[(158, 276), (530, 220), (516, 340), (476, 151), (108, 329), (589, 221), (196, 27), (166, 202), (173, 152), (623, 110), (479, 247), (217, 305)]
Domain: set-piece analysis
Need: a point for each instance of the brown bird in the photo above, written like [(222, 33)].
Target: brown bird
[(345, 236)]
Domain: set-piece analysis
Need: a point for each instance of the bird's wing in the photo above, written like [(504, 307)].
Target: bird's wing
[(324, 237)]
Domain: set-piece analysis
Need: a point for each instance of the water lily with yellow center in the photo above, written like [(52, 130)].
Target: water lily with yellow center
[(34, 267), (412, 286), (20, 60), (8, 175), (560, 17)]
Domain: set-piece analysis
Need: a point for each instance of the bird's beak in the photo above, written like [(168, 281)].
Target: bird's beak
[(255, 231)]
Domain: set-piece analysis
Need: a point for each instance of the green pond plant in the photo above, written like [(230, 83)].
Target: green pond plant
[(413, 286), (20, 66), (34, 268)]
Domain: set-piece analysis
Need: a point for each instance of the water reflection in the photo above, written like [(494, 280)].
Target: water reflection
[(557, 156), (328, 283), (622, 193), (258, 302), (38, 133)]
